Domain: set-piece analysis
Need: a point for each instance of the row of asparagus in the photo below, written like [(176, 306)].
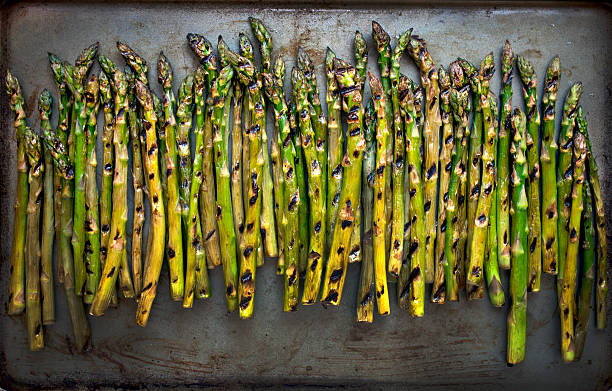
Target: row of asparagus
[(413, 189)]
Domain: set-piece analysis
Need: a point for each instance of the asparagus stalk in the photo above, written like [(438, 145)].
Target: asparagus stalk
[(549, 163), (335, 272), (455, 207), (17, 298), (316, 250), (411, 282), (517, 317), (602, 244), (379, 223), (397, 230), (503, 166), (300, 177), (246, 284), (246, 50), (237, 164), (335, 142), (80, 327), (32, 243), (155, 257), (274, 92), (528, 77), (184, 119), (174, 245), (491, 265), (204, 50), (438, 294), (63, 119), (117, 242), (475, 270), (587, 241), (565, 172), (567, 304), (431, 134), (47, 290), (135, 130), (92, 217), (278, 180), (76, 82), (365, 292)]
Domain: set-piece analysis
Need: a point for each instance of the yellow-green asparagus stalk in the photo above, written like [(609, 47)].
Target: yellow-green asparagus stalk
[(528, 76), (184, 119), (335, 143), (237, 164)]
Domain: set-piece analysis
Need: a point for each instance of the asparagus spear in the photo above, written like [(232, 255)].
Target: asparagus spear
[(602, 244), (76, 79), (279, 190), (57, 146), (587, 243), (32, 242), (274, 92), (196, 275), (549, 163), (246, 284), (455, 207), (184, 119), (475, 271), (92, 218), (119, 214), (517, 317), (155, 257), (63, 119), (335, 272), (335, 142), (17, 298), (379, 223), (47, 291), (503, 166), (438, 294), (567, 304), (411, 282), (300, 177), (565, 173), (174, 249), (204, 50), (246, 50), (316, 250), (491, 265), (528, 77), (431, 133), (365, 292), (135, 130), (397, 234), (237, 164)]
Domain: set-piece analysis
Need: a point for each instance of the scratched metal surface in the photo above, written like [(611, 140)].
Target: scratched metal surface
[(453, 346)]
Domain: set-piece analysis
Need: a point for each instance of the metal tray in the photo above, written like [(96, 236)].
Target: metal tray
[(457, 345)]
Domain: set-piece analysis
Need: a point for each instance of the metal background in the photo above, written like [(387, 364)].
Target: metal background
[(454, 346)]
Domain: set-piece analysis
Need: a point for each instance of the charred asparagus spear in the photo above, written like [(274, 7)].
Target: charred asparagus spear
[(475, 270), (431, 133), (397, 230), (567, 304), (380, 222), (236, 165), (184, 119), (446, 165), (92, 217), (32, 242), (565, 174), (335, 272), (274, 91), (174, 249), (503, 161), (549, 163), (517, 317), (316, 251), (411, 282), (117, 242), (204, 50), (455, 207), (335, 142), (602, 244), (47, 290), (534, 222), (587, 243), (17, 298)]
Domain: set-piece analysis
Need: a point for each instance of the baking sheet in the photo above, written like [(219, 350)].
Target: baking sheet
[(455, 345)]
